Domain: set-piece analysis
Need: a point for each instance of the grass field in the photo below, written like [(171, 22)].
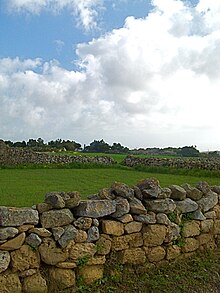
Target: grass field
[(25, 187)]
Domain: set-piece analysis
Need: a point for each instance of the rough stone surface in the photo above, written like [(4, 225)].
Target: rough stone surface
[(156, 254), (55, 200), (198, 215), (25, 228), (24, 259), (92, 273), (165, 193), (93, 234), (61, 279), (126, 218), (72, 200), (95, 208), (56, 218), (154, 235), (121, 189), (149, 218), (163, 219), (57, 232), (66, 265), (83, 223), (80, 250), (35, 284), (177, 192), (14, 243), (191, 229), (133, 227), (103, 245), (186, 206), (173, 232), (33, 240), (135, 240), (190, 245), (173, 252), (81, 236), (136, 207), (134, 256), (50, 253), (27, 273), (8, 232), (203, 186), (120, 243), (112, 227), (208, 202), (192, 192), (17, 216), (69, 234), (207, 225), (43, 207), (210, 215), (165, 206), (42, 232), (10, 283), (4, 260), (96, 260), (122, 207)]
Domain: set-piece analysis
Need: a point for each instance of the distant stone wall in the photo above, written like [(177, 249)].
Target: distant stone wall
[(19, 156), (187, 163), (48, 247)]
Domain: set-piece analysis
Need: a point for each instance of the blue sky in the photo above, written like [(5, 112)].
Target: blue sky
[(140, 72)]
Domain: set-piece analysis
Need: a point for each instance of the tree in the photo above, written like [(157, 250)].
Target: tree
[(189, 151)]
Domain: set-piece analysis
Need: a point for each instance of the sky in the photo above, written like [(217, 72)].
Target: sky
[(145, 73)]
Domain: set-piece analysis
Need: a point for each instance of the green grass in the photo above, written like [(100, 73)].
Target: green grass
[(25, 187)]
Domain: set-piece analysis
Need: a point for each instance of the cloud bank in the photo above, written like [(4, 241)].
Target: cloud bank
[(153, 82)]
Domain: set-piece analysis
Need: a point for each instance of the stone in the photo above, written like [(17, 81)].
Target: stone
[(34, 284), (173, 233), (105, 193), (173, 252), (216, 189), (133, 227), (203, 186), (8, 232), (14, 243), (112, 227), (165, 193), (42, 232), (191, 229), (27, 273), (136, 207), (165, 206), (44, 207), (97, 260), (4, 260), (205, 238), (55, 200), (135, 256), (81, 236), (150, 183), (208, 202), (216, 227), (154, 235), (83, 223), (66, 265), (121, 189), (191, 244), (18, 216), (10, 283), (103, 245), (33, 240), (192, 192), (177, 192), (120, 243), (73, 200), (93, 234), (126, 218), (210, 215), (156, 254), (50, 253), (80, 250), (24, 259), (151, 193), (135, 240), (186, 206), (216, 209), (149, 218), (95, 208), (198, 215), (137, 193), (92, 273), (95, 222), (122, 207), (207, 226), (61, 279), (69, 234), (25, 228), (57, 232), (56, 218), (163, 219)]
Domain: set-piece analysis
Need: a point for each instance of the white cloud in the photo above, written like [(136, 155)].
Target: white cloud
[(85, 11), (154, 82)]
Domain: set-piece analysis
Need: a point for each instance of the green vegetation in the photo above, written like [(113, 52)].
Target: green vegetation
[(25, 187)]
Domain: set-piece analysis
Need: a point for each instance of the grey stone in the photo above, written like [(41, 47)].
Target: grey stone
[(151, 193), (173, 233), (4, 260), (210, 215), (83, 223), (105, 193), (95, 222), (216, 189), (149, 218), (136, 207), (8, 232), (165, 206), (165, 193), (93, 234), (57, 232), (73, 200), (203, 186), (150, 183), (192, 192), (177, 192), (56, 218), (198, 215), (137, 193), (122, 207), (186, 206), (163, 219), (70, 233), (121, 189), (55, 200), (95, 208), (33, 240), (44, 207), (18, 216), (208, 202)]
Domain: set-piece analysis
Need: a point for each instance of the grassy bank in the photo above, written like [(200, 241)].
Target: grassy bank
[(25, 187)]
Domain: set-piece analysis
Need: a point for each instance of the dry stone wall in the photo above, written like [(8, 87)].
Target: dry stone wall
[(187, 163), (46, 248), (19, 156)]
